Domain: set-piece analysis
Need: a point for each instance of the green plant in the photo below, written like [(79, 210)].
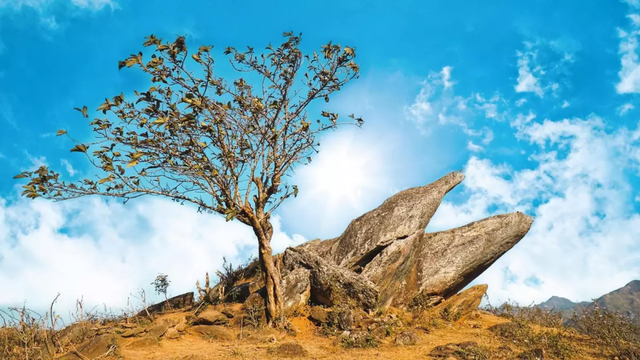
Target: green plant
[(254, 313), (161, 283)]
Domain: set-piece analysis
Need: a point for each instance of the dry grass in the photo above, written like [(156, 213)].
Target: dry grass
[(506, 332), (613, 334)]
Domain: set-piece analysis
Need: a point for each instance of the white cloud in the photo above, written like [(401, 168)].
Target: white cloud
[(527, 80), (622, 110), (521, 102), (584, 241), (47, 10), (446, 77), (42, 5), (473, 147), (82, 247), (437, 104), (629, 73), (522, 120), (565, 104), (633, 3), (35, 162), (68, 167), (542, 66), (94, 4)]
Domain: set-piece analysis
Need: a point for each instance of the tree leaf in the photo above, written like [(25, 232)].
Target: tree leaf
[(132, 163), (84, 111), (80, 148), (61, 132), (295, 191), (21, 176)]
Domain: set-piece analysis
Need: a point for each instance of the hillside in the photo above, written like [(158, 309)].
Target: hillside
[(624, 301), (556, 304), (454, 329)]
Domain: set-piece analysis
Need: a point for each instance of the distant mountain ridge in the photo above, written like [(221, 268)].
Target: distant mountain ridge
[(625, 301)]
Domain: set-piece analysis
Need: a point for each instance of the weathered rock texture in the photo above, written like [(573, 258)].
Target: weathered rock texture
[(331, 285), (443, 263), (384, 257), (179, 302), (398, 217)]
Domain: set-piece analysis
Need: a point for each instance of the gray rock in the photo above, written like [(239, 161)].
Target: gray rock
[(398, 217), (212, 332), (443, 263), (332, 285), (406, 338), (211, 317), (296, 289), (179, 302)]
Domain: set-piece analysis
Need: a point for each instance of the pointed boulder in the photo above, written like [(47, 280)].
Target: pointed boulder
[(443, 263), (398, 217)]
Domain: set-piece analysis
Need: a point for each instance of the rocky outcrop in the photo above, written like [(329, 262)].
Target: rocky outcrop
[(398, 217), (384, 258), (179, 302), (329, 284), (460, 306), (443, 263), (296, 289)]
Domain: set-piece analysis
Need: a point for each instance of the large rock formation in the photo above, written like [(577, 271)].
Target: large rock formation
[(384, 257), (443, 263), (398, 217), (331, 285)]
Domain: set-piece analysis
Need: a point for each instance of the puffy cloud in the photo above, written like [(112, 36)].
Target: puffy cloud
[(527, 80)]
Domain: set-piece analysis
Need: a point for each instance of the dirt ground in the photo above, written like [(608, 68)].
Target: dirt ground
[(264, 343)]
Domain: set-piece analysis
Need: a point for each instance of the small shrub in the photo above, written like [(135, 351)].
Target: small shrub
[(611, 330), (161, 284), (358, 339), (254, 314)]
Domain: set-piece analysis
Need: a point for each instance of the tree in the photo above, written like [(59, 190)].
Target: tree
[(161, 284), (223, 147)]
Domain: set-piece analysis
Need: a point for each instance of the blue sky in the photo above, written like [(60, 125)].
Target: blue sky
[(535, 101)]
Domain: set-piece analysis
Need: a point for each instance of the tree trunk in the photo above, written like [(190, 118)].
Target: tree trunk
[(273, 301)]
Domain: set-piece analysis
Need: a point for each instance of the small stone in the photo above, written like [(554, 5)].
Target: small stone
[(211, 317), (318, 314), (182, 327), (171, 333), (406, 338), (132, 332)]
